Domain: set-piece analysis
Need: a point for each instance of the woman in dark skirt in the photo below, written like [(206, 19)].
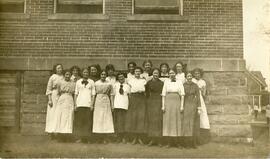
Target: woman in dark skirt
[(154, 105), (121, 91), (191, 114), (135, 117), (84, 97)]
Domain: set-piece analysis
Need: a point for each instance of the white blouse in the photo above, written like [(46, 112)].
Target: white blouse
[(53, 83), (112, 79), (84, 93), (146, 76), (137, 85), (173, 87), (181, 77), (121, 100)]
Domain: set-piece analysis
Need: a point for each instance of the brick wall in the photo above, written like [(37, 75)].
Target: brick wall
[(211, 29)]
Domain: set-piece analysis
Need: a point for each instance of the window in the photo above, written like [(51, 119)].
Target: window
[(12, 6), (157, 7), (79, 6)]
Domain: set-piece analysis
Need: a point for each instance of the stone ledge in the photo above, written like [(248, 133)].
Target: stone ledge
[(158, 18), (46, 63), (68, 17)]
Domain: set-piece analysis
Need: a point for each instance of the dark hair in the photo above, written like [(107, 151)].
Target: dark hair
[(109, 67), (67, 70), (85, 68), (188, 73), (184, 66), (159, 72), (198, 70), (172, 70), (138, 68), (120, 73), (166, 64), (97, 66), (103, 71), (147, 61), (77, 68), (134, 64), (54, 67)]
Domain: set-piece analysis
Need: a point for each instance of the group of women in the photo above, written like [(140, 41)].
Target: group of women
[(163, 106)]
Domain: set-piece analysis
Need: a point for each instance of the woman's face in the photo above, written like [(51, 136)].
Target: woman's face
[(172, 74), (197, 74), (189, 77), (164, 69), (121, 78), (75, 72), (93, 71), (131, 68), (137, 72), (85, 73), (67, 76), (103, 75), (147, 66), (59, 69), (110, 72), (179, 68), (155, 74)]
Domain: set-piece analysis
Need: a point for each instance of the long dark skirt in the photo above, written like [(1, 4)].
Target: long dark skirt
[(119, 120), (135, 117), (154, 115), (83, 122)]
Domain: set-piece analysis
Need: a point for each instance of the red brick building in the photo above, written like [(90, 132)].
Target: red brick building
[(35, 34)]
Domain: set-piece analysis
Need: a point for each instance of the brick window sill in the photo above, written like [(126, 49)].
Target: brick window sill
[(157, 17), (14, 16), (74, 16)]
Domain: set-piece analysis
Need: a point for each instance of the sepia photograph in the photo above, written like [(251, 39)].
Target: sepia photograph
[(135, 79)]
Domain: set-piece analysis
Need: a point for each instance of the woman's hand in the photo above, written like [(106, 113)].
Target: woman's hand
[(163, 109), (199, 110), (181, 109), (50, 103)]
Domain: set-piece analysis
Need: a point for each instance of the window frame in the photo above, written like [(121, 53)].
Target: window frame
[(16, 15), (181, 12), (55, 9)]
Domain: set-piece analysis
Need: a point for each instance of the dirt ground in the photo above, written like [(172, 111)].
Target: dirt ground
[(41, 146)]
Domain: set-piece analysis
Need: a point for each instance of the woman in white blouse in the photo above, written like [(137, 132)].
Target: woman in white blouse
[(121, 102), (135, 118), (53, 95), (84, 98), (172, 106), (180, 71)]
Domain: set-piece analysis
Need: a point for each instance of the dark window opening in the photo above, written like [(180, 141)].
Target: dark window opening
[(79, 6), (12, 6)]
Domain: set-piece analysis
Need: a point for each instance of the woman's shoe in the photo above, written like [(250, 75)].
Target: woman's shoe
[(150, 143), (141, 142), (134, 141)]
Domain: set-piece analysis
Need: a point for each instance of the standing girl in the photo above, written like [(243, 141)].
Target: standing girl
[(84, 97), (94, 72), (147, 74), (135, 121), (131, 67), (154, 105), (180, 71), (52, 93), (172, 106), (111, 76), (121, 91), (75, 71), (103, 120), (191, 114), (65, 106), (204, 121), (164, 75)]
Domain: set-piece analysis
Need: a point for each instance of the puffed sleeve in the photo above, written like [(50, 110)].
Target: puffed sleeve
[(164, 89), (181, 89), (49, 86), (77, 88)]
